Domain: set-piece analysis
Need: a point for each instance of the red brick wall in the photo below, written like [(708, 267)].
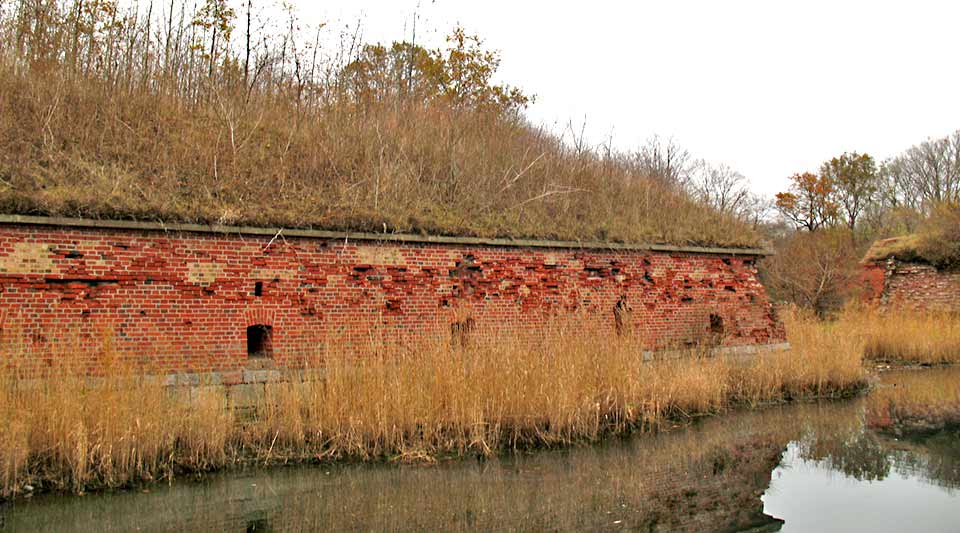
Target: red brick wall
[(917, 285), (184, 300), (872, 278)]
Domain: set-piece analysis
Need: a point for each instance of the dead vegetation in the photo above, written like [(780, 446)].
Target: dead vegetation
[(545, 388), (903, 336), (176, 114), (936, 242)]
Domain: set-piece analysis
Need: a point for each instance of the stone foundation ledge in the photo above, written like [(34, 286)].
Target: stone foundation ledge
[(724, 351), (244, 388)]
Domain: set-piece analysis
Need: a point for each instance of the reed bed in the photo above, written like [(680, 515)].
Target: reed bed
[(556, 386), (903, 336)]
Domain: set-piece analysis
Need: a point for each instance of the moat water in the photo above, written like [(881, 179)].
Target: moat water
[(852, 465)]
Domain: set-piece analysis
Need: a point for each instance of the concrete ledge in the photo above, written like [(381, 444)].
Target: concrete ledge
[(244, 388), (374, 237), (739, 352)]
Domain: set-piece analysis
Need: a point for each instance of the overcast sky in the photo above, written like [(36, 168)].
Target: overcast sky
[(770, 88)]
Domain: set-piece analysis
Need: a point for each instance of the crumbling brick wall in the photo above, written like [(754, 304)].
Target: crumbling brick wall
[(912, 285), (197, 301)]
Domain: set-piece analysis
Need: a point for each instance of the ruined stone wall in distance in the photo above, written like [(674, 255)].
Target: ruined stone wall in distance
[(921, 286), (184, 301)]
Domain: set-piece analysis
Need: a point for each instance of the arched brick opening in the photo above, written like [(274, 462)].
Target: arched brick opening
[(259, 340)]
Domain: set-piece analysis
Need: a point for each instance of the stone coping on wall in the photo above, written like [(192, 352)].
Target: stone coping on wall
[(369, 237)]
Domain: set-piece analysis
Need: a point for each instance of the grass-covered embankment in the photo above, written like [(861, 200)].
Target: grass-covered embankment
[(119, 111), (419, 402)]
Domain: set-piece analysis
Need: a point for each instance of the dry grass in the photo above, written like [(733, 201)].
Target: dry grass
[(902, 336), (548, 388), (819, 363), (903, 248), (71, 433), (123, 122), (937, 241), (560, 387)]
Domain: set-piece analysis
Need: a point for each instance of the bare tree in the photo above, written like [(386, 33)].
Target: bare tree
[(756, 210), (928, 173), (813, 270), (720, 187), (665, 161)]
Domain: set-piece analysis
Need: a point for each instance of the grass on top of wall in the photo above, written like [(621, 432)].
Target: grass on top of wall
[(545, 388), (104, 116)]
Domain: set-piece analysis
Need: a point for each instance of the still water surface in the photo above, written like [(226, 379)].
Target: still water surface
[(836, 466)]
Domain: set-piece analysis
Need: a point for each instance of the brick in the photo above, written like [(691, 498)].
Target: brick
[(182, 302), (914, 285)]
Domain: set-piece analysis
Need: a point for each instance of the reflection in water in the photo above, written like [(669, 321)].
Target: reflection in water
[(893, 490), (901, 472), (708, 477)]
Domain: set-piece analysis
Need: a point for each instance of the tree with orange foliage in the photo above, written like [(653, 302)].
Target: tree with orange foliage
[(809, 202)]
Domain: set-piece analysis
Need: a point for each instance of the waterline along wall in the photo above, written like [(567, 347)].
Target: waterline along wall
[(188, 298)]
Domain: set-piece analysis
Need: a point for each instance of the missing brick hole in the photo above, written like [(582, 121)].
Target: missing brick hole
[(258, 288), (716, 324), (77, 281), (260, 341), (468, 264), (258, 525)]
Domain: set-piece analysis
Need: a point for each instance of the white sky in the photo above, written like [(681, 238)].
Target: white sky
[(769, 87)]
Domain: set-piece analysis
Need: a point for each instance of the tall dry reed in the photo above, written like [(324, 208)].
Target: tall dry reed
[(549, 387), (560, 385), (66, 431), (901, 335)]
